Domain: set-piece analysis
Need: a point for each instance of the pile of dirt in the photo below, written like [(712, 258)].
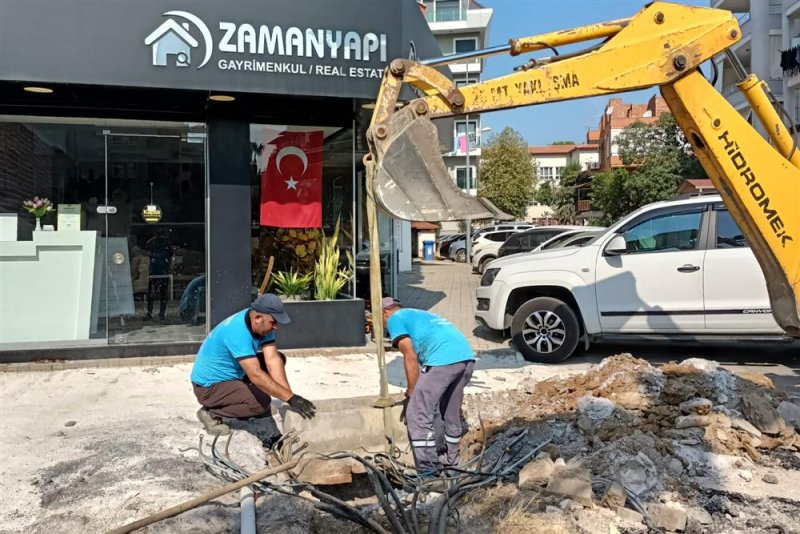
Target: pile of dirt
[(691, 445)]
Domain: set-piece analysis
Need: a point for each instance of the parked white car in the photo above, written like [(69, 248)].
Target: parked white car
[(572, 238), (458, 249), (484, 247), (677, 270)]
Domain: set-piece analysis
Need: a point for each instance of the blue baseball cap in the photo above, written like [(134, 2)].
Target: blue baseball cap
[(271, 304)]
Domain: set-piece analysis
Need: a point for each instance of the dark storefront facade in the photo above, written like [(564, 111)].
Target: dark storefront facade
[(155, 128)]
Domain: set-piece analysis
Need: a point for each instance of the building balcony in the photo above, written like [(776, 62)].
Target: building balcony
[(736, 6), (448, 16), (584, 206), (473, 67), (790, 61), (446, 10)]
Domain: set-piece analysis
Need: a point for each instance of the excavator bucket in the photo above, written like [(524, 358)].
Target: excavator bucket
[(412, 179)]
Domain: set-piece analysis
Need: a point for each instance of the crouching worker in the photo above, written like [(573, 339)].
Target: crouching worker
[(238, 369), (438, 363)]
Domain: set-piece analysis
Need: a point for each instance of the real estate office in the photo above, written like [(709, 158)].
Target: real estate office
[(171, 136)]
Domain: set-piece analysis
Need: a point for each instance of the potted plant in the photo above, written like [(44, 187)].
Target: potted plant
[(291, 285), (328, 321), (329, 278), (38, 207)]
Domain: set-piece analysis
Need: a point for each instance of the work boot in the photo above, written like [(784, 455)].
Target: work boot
[(267, 443), (213, 423)]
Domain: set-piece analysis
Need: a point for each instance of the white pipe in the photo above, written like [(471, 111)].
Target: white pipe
[(248, 509)]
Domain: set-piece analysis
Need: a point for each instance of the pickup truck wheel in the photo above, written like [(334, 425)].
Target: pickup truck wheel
[(461, 255), (545, 330), (484, 262)]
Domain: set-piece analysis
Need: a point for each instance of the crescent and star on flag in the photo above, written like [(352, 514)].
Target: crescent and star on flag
[(291, 183)]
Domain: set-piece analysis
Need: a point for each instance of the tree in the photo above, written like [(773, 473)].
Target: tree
[(564, 194), (508, 175), (544, 194), (563, 143), (657, 158)]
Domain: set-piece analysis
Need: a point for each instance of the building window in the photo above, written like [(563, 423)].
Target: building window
[(462, 129), (461, 178), (546, 173), (464, 44), (557, 173)]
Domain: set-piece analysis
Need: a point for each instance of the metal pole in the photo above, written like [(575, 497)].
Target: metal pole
[(468, 247), (472, 54)]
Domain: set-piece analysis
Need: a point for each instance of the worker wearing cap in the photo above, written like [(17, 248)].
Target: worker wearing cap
[(438, 362), (238, 368)]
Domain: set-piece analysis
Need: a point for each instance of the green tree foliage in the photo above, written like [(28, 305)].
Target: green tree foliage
[(507, 175), (565, 194), (656, 158), (544, 194), (563, 143)]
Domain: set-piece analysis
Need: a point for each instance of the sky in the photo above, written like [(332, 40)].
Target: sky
[(543, 124)]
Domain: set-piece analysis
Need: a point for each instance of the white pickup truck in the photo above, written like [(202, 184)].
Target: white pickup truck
[(670, 270)]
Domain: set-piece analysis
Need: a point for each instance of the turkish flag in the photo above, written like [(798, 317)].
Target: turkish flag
[(291, 184)]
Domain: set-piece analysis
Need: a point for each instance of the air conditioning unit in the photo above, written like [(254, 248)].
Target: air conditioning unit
[(594, 165)]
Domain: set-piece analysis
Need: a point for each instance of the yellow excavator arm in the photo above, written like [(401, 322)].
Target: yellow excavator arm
[(662, 45)]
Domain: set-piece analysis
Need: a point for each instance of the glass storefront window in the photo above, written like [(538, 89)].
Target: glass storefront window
[(123, 257), (303, 189)]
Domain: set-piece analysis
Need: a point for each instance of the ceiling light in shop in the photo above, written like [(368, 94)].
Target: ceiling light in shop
[(41, 90), (222, 98)]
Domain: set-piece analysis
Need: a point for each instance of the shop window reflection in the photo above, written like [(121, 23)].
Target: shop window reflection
[(105, 292), (274, 150)]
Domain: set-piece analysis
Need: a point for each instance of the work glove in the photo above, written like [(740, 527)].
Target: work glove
[(302, 406)]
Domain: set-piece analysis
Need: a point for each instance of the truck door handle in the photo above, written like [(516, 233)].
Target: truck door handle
[(688, 268)]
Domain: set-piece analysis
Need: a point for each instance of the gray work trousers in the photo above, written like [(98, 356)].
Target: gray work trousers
[(439, 389)]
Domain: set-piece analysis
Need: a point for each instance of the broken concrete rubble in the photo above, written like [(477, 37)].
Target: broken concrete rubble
[(679, 428), (759, 411), (615, 496), (790, 413), (669, 516), (573, 483), (537, 473)]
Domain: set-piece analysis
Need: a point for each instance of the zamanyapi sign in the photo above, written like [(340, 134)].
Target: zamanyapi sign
[(184, 40)]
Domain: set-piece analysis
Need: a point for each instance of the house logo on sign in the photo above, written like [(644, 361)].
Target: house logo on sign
[(172, 43)]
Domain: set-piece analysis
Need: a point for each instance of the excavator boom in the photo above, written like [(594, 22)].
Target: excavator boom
[(662, 45)]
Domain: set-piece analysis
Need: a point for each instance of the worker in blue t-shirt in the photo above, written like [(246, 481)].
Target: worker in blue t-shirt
[(438, 362), (238, 368)]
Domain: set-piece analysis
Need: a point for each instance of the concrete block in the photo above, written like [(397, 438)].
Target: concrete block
[(627, 514), (615, 496), (668, 516), (536, 473), (321, 472), (352, 425), (575, 484)]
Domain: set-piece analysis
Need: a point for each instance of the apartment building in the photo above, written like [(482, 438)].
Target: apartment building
[(550, 161), (617, 116), (790, 58), (462, 26), (763, 24)]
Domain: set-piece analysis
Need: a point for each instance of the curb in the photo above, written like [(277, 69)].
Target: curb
[(146, 361), (60, 365)]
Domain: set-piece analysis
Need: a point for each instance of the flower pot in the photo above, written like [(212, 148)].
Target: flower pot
[(38, 225), (323, 323)]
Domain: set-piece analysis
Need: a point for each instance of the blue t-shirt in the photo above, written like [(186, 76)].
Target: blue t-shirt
[(219, 355), (436, 341)]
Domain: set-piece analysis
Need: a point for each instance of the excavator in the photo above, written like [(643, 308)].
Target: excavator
[(662, 45)]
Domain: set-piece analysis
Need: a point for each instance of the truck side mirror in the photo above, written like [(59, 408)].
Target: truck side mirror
[(616, 246)]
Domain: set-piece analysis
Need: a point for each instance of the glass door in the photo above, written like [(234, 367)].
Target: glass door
[(152, 251)]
